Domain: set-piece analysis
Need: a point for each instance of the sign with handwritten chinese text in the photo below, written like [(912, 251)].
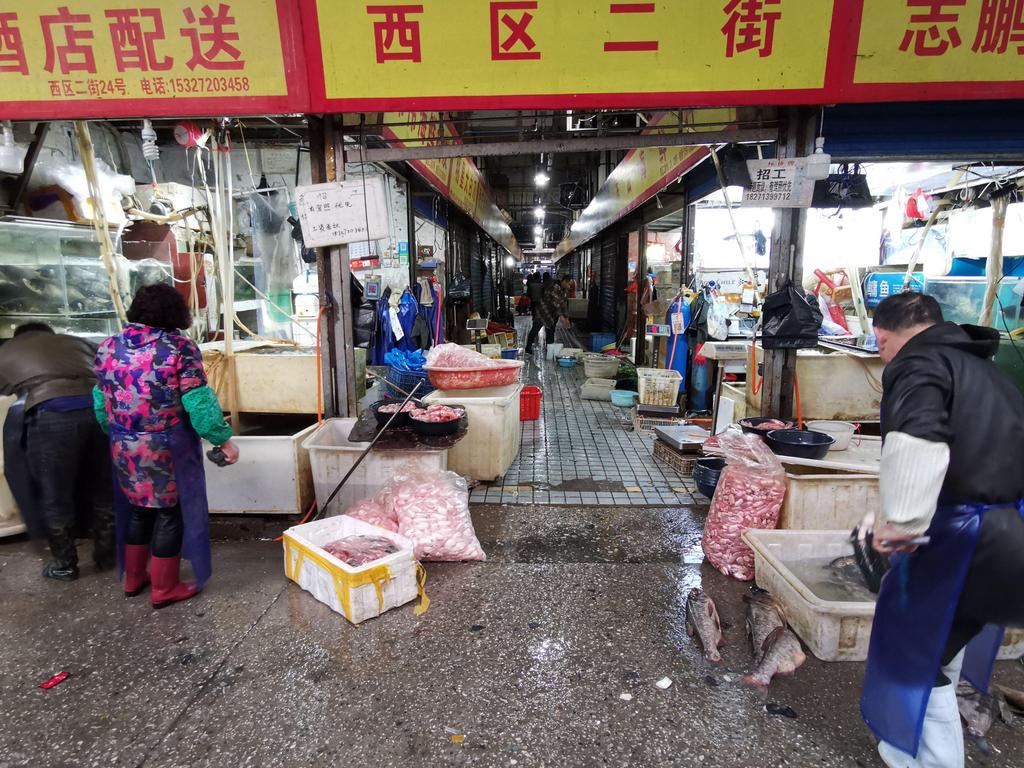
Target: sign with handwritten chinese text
[(457, 178), (342, 212), (920, 49), (562, 53), (779, 183), (124, 58), (640, 176)]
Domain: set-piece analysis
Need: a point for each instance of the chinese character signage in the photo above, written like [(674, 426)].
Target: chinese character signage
[(779, 184), (119, 58), (497, 53), (920, 49), (342, 212), (458, 178)]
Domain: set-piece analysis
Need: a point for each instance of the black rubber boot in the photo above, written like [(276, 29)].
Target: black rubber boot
[(61, 572)]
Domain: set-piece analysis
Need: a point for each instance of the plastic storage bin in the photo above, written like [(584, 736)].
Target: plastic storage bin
[(331, 455), (833, 630), (659, 386), (357, 593), (529, 403), (400, 383), (600, 366), (817, 499), (492, 440), (600, 340)]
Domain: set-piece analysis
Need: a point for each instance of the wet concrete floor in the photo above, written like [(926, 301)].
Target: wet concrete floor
[(526, 656)]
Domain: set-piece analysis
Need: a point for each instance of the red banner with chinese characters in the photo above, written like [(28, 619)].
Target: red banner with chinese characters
[(125, 58), (557, 54), (458, 178)]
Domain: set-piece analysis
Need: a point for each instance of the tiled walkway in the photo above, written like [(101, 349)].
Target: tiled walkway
[(583, 452)]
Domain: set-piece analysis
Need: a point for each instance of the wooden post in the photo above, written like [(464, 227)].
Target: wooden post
[(640, 357), (796, 139)]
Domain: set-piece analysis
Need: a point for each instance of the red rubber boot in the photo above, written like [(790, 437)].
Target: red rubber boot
[(136, 576), (167, 587)]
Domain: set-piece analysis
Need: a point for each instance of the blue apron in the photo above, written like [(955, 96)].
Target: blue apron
[(913, 617), (190, 477)]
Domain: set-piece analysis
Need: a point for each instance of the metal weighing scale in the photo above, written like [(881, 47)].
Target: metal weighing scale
[(477, 328), (725, 352)]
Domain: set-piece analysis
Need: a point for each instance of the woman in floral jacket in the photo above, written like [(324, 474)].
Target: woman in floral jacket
[(153, 399)]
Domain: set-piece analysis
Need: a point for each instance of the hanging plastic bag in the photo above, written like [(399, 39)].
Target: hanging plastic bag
[(749, 495), (717, 319), (789, 320)]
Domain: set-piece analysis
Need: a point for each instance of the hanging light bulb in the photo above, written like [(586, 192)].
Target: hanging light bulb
[(538, 212), (509, 261), (538, 230), (541, 179)]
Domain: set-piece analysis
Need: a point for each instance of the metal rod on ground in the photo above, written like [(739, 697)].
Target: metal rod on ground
[(366, 452)]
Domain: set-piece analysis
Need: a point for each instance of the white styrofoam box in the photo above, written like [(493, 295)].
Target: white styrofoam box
[(331, 455), (492, 439), (357, 593), (271, 477), (10, 517), (832, 630), (820, 499)]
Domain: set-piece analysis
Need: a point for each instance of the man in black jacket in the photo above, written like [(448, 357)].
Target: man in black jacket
[(951, 471), (66, 451)]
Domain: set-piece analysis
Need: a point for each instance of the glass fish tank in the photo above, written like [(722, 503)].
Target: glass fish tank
[(51, 271), (962, 298)]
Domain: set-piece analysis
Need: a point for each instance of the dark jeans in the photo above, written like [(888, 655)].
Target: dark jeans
[(69, 459), (160, 528), (992, 593), (549, 332)]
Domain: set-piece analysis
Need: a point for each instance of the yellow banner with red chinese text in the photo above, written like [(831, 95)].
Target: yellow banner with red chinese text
[(458, 178), (499, 52), (922, 49), (106, 58)]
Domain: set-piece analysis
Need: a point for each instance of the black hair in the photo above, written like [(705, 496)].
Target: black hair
[(547, 277), (160, 306), (907, 310), (30, 327)]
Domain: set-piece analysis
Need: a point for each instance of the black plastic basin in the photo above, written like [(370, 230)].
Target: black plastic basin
[(799, 443), (706, 474)]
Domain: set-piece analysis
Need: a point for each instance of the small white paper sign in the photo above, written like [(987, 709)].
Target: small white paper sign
[(779, 183), (342, 212)]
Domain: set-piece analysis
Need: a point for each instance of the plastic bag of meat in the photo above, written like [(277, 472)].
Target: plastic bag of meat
[(360, 550), (432, 509), (372, 511), (454, 356), (749, 495)]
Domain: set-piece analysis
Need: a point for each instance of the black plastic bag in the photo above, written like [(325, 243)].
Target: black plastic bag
[(459, 290), (789, 320)]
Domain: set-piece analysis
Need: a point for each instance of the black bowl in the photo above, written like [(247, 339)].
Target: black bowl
[(438, 428), (401, 420), (799, 443), (751, 425), (706, 474)]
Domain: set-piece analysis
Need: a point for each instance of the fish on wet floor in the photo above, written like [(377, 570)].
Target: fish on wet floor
[(764, 615), (781, 654), (978, 711), (702, 620)]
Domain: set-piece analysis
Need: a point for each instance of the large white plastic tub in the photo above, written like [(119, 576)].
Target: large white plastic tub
[(357, 593), (272, 476), (491, 443), (833, 630), (821, 499), (331, 455)]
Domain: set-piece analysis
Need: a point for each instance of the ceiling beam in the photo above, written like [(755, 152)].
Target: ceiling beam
[(589, 144)]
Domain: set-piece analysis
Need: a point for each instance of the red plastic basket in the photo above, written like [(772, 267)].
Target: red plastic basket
[(529, 403)]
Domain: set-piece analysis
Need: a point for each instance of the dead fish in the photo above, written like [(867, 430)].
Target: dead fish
[(764, 616), (702, 620), (978, 711), (781, 654)]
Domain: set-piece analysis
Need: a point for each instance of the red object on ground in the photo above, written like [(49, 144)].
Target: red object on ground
[(57, 679), (529, 403)]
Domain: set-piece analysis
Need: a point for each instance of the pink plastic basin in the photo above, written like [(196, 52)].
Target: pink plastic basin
[(475, 378)]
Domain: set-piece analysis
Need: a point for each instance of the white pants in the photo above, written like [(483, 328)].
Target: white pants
[(942, 737)]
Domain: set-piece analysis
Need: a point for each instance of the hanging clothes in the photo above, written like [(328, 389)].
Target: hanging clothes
[(432, 305), (383, 340), (408, 309)]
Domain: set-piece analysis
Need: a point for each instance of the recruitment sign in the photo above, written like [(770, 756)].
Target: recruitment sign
[(120, 58)]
